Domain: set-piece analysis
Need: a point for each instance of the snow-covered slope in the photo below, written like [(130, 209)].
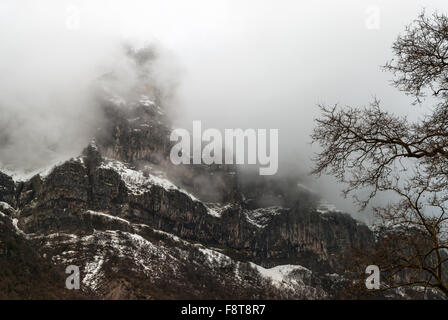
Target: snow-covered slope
[(138, 182)]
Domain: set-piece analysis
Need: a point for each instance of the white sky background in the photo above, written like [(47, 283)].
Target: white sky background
[(249, 64)]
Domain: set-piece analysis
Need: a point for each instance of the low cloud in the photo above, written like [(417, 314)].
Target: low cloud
[(243, 64)]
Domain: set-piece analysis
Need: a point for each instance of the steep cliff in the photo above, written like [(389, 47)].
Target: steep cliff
[(140, 227)]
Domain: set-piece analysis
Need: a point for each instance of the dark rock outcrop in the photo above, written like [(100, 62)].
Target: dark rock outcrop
[(7, 189), (300, 235), (108, 209)]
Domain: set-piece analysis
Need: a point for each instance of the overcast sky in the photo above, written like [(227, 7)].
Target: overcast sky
[(250, 64)]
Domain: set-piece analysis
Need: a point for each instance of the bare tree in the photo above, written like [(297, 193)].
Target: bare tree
[(375, 151)]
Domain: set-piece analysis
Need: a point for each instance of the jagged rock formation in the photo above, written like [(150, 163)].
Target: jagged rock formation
[(24, 273), (7, 189), (141, 228)]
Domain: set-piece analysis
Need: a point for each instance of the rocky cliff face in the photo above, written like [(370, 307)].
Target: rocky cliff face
[(7, 189), (140, 227)]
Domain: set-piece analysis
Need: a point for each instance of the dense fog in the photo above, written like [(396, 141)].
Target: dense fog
[(235, 64)]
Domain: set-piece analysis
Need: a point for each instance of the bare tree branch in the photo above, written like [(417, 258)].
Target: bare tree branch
[(374, 150)]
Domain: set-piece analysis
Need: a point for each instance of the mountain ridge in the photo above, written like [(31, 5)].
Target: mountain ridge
[(108, 210)]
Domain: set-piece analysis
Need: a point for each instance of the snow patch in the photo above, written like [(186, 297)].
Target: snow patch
[(262, 216), (5, 206), (92, 272), (214, 257), (109, 216), (139, 183), (16, 227), (26, 175), (282, 276), (325, 207), (169, 235), (145, 101), (135, 180)]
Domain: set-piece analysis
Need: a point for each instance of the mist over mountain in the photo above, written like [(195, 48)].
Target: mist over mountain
[(90, 94), (48, 101), (233, 65)]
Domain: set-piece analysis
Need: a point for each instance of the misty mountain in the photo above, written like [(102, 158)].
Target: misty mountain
[(140, 227)]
